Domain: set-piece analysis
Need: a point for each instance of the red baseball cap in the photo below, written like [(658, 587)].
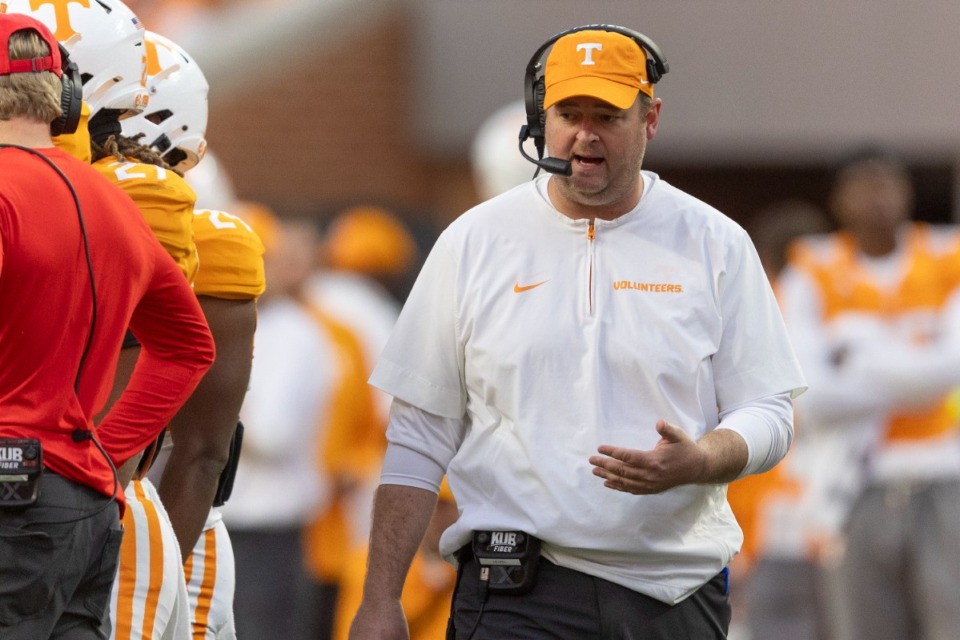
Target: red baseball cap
[(13, 22)]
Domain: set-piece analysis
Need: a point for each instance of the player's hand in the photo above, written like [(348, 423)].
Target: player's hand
[(380, 621), (676, 459)]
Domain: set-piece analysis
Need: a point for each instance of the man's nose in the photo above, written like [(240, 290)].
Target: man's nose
[(586, 132)]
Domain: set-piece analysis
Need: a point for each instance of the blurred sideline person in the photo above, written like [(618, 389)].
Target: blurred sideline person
[(587, 406), (278, 488), (874, 312), (776, 578), (366, 251), (349, 449), (367, 254), (63, 591)]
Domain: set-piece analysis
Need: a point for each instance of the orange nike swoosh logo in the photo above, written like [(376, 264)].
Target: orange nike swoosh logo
[(518, 289)]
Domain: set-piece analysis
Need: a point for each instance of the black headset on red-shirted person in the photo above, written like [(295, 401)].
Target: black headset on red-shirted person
[(71, 96)]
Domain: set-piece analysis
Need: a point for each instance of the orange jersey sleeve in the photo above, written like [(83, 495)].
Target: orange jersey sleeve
[(166, 202), (231, 257)]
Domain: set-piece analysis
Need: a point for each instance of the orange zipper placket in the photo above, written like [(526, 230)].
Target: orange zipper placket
[(591, 234)]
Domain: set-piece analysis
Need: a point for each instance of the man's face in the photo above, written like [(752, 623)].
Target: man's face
[(605, 146), (872, 198)]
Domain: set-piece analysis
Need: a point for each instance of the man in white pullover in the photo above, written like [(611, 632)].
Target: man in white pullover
[(589, 357)]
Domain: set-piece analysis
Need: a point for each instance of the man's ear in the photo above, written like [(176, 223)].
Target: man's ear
[(653, 118)]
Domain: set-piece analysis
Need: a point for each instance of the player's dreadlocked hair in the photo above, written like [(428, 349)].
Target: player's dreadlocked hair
[(122, 147)]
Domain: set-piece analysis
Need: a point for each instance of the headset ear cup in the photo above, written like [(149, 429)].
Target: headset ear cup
[(68, 120), (539, 91), (653, 74), (71, 97), (538, 121)]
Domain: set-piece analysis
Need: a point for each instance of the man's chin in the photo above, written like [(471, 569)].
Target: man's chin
[(585, 186)]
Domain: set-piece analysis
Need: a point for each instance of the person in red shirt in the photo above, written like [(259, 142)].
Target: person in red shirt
[(78, 265)]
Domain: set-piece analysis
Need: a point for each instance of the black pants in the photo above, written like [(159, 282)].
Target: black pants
[(55, 579), (272, 596), (569, 605)]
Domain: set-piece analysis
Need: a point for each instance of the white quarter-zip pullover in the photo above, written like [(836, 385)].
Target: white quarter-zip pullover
[(533, 338)]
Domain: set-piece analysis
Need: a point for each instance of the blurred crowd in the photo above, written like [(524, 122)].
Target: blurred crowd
[(176, 17), (855, 535)]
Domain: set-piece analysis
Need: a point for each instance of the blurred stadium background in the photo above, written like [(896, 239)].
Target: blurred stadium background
[(318, 104)]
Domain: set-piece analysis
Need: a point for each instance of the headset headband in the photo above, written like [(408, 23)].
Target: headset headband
[(659, 67)]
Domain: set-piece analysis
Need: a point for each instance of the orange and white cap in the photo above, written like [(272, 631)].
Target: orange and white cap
[(605, 65)]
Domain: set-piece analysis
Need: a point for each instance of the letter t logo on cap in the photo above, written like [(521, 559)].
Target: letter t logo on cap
[(606, 65), (589, 47)]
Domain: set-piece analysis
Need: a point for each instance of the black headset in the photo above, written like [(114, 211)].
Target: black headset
[(534, 89), (71, 96)]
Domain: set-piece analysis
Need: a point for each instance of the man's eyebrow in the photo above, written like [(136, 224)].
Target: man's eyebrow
[(598, 104)]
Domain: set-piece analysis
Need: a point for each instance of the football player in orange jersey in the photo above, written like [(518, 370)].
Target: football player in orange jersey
[(195, 477), (166, 202)]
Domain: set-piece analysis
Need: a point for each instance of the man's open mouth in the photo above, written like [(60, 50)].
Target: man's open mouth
[(588, 160)]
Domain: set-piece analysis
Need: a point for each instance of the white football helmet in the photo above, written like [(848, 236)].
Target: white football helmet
[(494, 157), (105, 40), (176, 114)]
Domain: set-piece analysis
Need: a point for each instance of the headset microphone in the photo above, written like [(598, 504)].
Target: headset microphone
[(550, 165)]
